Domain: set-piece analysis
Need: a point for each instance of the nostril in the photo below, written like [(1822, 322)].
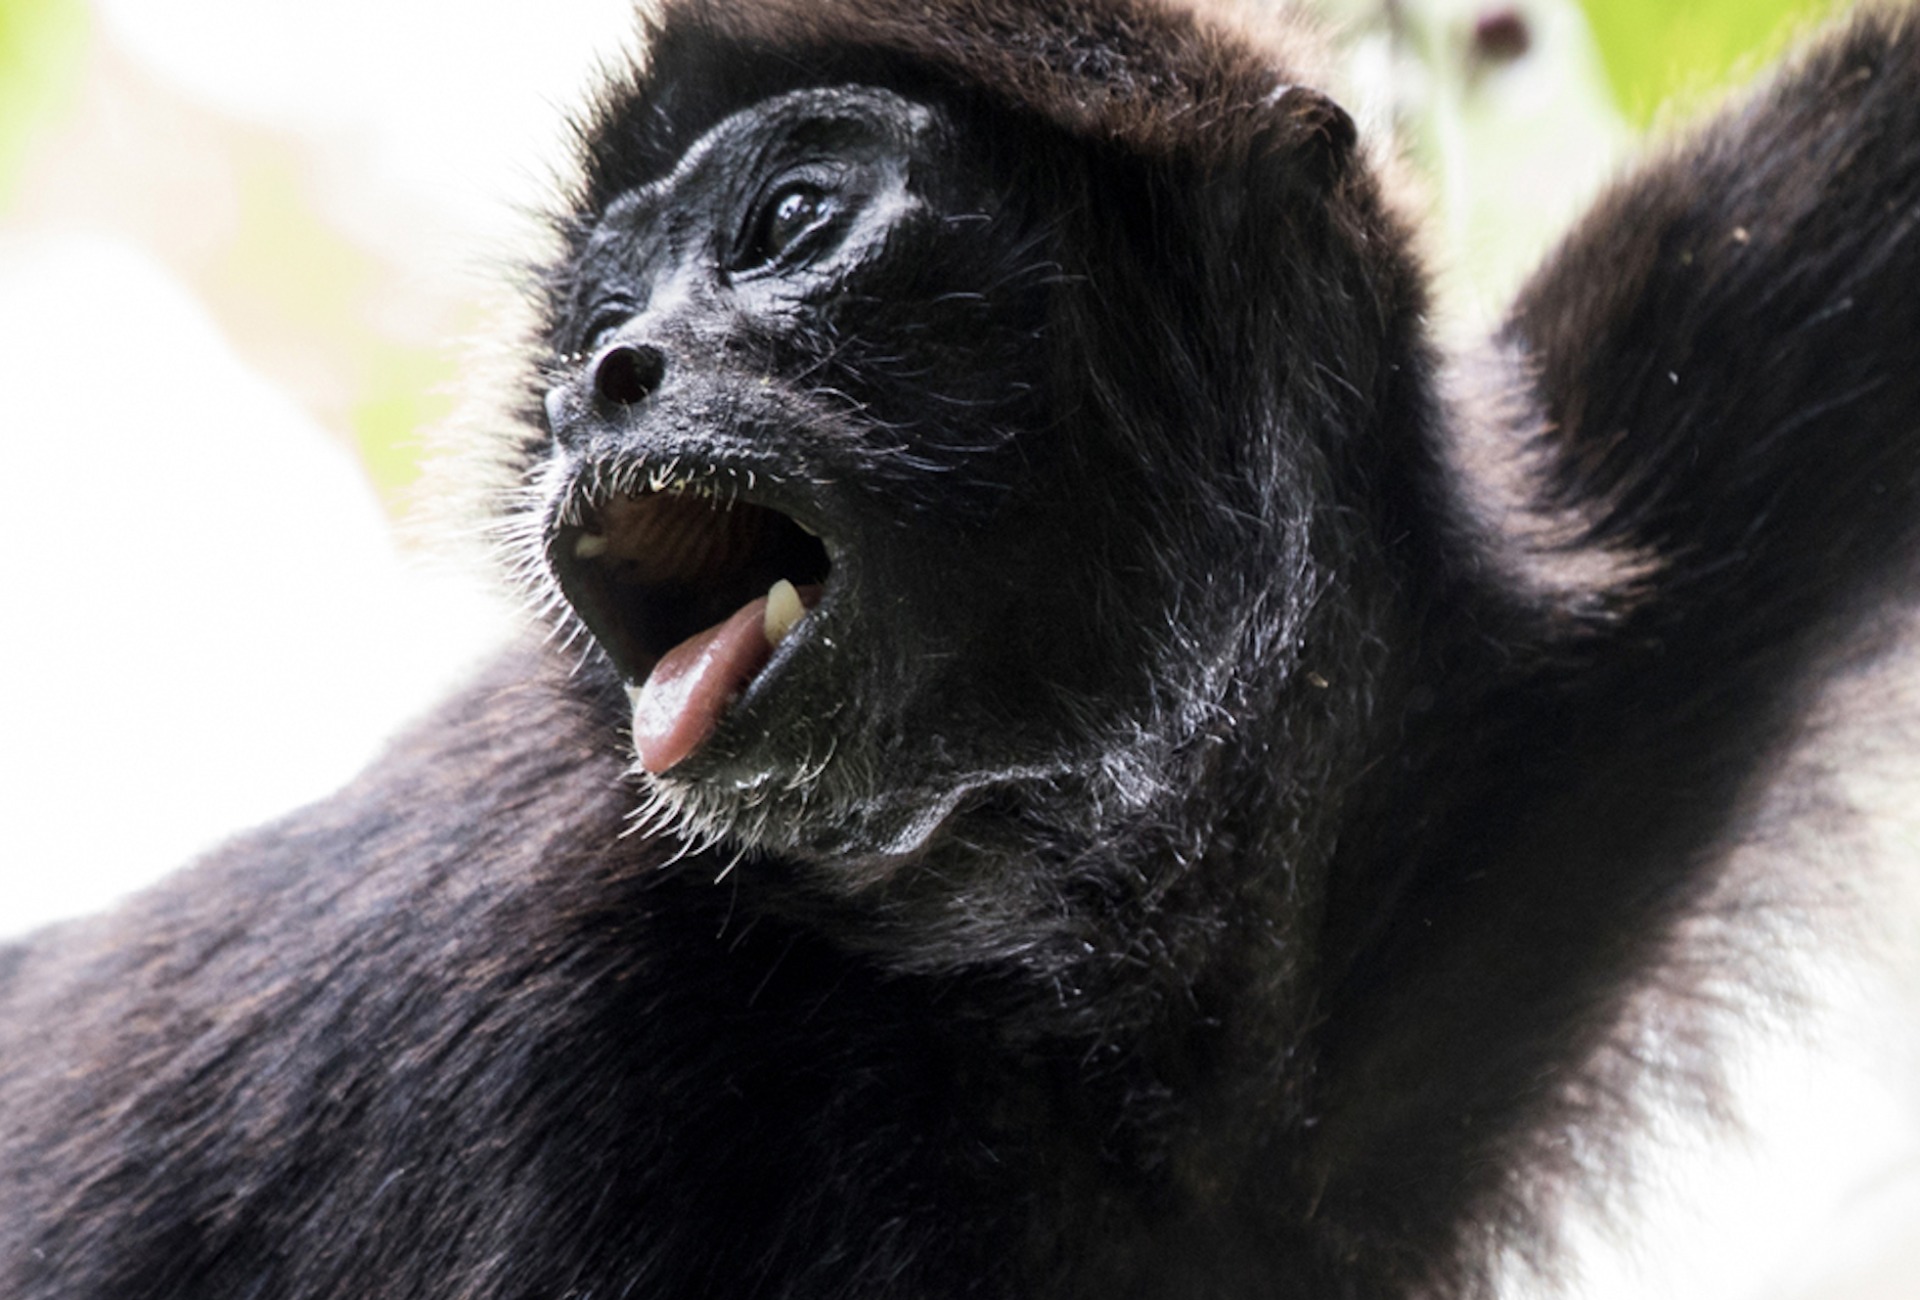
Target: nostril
[(628, 373)]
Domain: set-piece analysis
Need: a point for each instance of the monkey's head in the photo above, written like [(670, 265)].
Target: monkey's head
[(929, 433)]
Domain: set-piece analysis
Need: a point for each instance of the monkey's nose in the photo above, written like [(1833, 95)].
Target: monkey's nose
[(628, 373)]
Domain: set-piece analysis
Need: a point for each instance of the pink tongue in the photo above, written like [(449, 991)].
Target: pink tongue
[(681, 701)]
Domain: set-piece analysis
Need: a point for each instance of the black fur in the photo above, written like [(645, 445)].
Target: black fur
[(1234, 805)]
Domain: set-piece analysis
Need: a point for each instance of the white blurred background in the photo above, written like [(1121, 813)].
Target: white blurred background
[(242, 246)]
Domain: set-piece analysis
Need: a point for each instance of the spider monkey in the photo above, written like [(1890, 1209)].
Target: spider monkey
[(1082, 755)]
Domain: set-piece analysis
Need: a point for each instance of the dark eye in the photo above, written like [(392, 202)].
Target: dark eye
[(784, 222)]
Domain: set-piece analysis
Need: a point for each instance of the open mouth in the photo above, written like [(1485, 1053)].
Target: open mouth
[(690, 592)]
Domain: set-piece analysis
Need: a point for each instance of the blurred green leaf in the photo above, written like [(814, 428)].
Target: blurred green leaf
[(286, 264), (1661, 51), (406, 392), (41, 43)]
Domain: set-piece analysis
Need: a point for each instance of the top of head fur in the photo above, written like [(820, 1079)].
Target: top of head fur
[(1152, 77)]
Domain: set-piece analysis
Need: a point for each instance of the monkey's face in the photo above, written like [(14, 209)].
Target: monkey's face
[(806, 488)]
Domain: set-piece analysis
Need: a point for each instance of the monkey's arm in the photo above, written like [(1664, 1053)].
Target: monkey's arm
[(1728, 351), (453, 1030), (1726, 360), (211, 1089)]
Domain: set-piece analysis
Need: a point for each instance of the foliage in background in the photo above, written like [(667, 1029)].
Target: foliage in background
[(1662, 51), (287, 266), (41, 44), (1516, 111)]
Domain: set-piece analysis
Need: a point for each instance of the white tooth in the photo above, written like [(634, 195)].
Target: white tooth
[(783, 611), (589, 546)]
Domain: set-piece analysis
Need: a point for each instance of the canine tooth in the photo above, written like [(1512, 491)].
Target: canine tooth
[(590, 546), (783, 611)]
